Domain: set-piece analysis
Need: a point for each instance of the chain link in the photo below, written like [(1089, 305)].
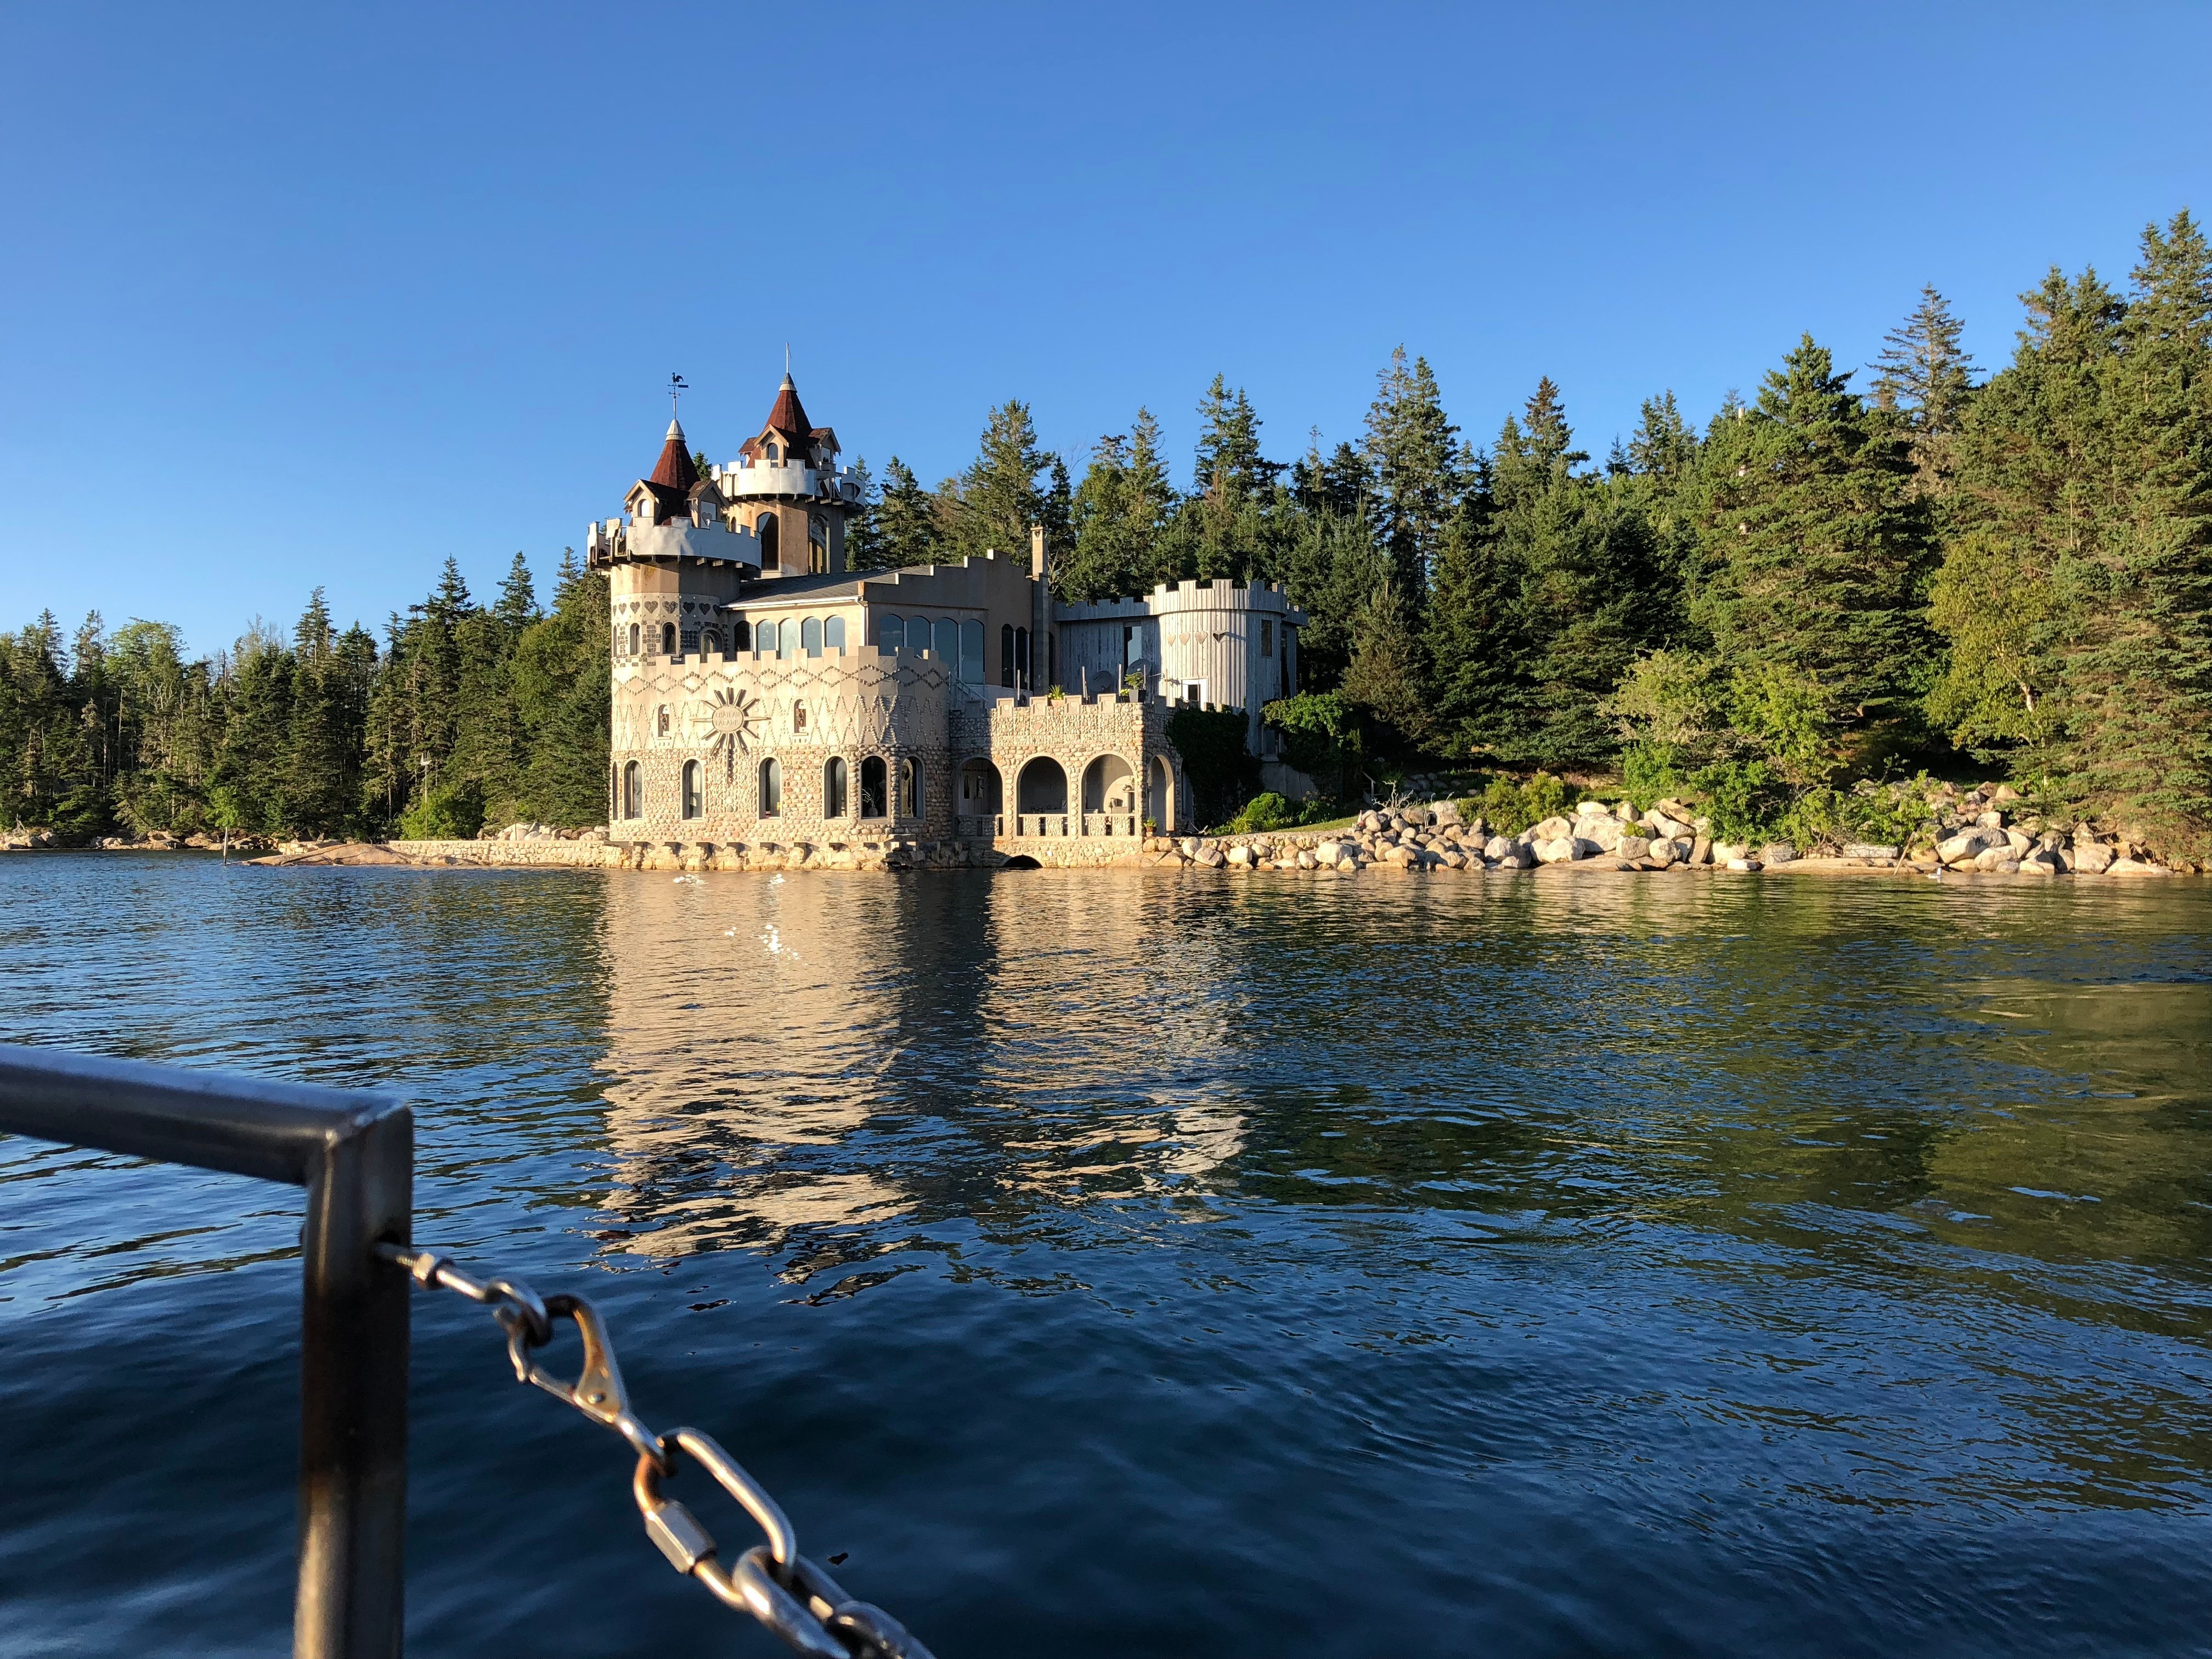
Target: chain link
[(771, 1581)]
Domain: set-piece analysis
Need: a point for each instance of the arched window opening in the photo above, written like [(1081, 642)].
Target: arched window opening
[(980, 790), (1042, 787), (945, 642), (890, 634), (817, 545), (971, 653), (771, 788), (774, 452), (871, 787), (661, 721), (692, 803), (833, 788), (1006, 655), (832, 633), (711, 641), (668, 638), (633, 640), (764, 527), (1109, 785), (633, 801), (799, 717), (741, 635), (909, 774), (810, 636)]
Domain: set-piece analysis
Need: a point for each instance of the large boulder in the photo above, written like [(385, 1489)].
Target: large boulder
[(1446, 813), (1665, 825), (1970, 844), (1584, 848), (1332, 852), (2092, 858), (1777, 852), (1631, 847), (1498, 846), (1552, 828), (1557, 849), (1516, 857)]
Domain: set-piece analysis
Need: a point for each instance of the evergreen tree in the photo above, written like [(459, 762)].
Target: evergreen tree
[(517, 598), (1817, 552), (1926, 378), (1387, 677), (320, 768), (905, 521), (2138, 675), (998, 499), (1416, 467)]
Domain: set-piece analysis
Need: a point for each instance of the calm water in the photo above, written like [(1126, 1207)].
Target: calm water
[(1121, 1264)]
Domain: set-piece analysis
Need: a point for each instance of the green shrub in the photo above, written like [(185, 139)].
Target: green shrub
[(1747, 801), (1264, 812), (1509, 807), (1651, 771), (445, 811)]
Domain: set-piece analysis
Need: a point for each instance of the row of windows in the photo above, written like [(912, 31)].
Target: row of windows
[(837, 789)]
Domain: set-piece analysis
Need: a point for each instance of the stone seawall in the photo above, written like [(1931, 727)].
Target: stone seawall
[(549, 854)]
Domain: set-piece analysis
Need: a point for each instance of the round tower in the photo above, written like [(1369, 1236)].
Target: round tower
[(787, 488), (674, 561)]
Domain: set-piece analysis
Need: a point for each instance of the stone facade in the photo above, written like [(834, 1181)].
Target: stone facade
[(761, 701)]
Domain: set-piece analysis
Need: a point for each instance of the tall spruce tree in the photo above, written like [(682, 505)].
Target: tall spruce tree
[(1926, 378), (999, 497), (1418, 468), (906, 530), (1817, 551)]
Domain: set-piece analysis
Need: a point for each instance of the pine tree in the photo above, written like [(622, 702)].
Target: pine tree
[(517, 598), (2138, 675), (1416, 465), (1817, 552), (1387, 677), (1926, 378), (319, 763), (998, 498), (905, 524)]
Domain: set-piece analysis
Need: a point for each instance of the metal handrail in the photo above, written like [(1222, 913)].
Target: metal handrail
[(355, 1154)]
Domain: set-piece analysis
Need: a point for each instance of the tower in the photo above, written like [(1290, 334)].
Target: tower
[(786, 488), (676, 561)]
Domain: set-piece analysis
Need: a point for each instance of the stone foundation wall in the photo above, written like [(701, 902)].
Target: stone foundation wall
[(544, 854)]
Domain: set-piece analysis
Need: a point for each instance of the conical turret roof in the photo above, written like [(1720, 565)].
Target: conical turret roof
[(674, 470), (789, 415)]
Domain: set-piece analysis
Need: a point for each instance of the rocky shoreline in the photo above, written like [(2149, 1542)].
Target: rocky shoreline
[(1981, 832)]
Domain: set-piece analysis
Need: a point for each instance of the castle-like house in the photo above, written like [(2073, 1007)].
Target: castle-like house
[(763, 692)]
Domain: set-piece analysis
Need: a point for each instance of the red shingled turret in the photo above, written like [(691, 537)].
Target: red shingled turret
[(789, 415), (674, 470)]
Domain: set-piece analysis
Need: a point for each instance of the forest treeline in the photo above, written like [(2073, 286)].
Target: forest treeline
[(1846, 576)]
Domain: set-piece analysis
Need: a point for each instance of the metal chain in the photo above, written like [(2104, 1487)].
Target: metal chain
[(771, 1581)]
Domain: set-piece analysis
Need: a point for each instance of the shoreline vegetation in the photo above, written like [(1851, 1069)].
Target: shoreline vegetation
[(1825, 620)]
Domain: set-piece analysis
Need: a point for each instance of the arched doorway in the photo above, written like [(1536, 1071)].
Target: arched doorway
[(1159, 793), (1109, 786), (1042, 787), (981, 791), (764, 527)]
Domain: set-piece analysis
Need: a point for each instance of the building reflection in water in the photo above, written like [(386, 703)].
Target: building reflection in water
[(817, 1066)]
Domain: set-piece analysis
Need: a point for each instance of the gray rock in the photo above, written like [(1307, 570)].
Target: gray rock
[(1777, 852), (2092, 858), (1584, 848), (1516, 857), (1872, 851), (1556, 849), (1552, 828), (1991, 819), (1969, 844), (1632, 846)]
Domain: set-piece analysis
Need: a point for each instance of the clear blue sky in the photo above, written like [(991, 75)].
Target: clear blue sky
[(320, 295)]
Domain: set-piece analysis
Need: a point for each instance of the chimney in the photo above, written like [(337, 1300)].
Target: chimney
[(1043, 656)]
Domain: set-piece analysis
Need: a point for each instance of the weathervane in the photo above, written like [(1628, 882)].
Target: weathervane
[(676, 389)]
